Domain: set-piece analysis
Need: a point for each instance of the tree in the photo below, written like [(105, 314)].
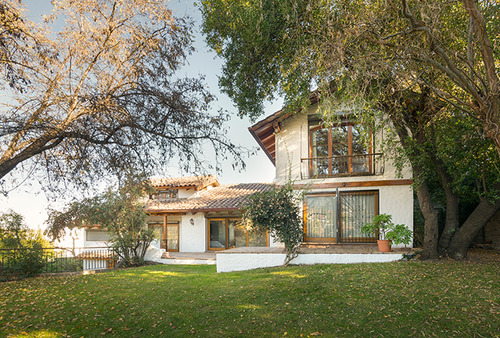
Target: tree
[(14, 234), (277, 211), (304, 42), (120, 212), (102, 93), (13, 37), (24, 255), (419, 63)]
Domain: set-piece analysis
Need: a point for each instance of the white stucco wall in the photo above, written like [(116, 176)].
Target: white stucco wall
[(192, 238), (227, 262), (292, 144), (186, 193)]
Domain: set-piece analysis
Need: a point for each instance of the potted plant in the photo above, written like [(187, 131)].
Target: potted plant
[(388, 232)]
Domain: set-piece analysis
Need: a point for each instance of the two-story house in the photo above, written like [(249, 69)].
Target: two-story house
[(345, 177)]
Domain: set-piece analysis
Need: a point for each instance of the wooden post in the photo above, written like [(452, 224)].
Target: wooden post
[(164, 234)]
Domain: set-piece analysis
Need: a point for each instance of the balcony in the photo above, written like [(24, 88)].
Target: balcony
[(341, 166)]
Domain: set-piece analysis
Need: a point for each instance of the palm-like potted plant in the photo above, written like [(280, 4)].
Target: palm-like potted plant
[(388, 232)]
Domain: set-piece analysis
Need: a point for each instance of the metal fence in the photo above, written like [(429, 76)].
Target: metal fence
[(31, 261)]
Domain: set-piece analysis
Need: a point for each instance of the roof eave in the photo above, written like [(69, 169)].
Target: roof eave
[(252, 132), (183, 211)]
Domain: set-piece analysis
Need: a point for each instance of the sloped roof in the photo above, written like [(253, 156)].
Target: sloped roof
[(199, 182), (264, 130), (223, 198)]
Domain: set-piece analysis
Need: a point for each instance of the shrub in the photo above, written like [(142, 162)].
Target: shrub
[(278, 212), (117, 211)]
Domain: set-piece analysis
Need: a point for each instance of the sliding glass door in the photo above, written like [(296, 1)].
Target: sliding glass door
[(357, 209), (332, 219), (231, 233), (321, 218)]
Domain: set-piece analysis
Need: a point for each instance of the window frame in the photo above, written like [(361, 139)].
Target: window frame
[(96, 231), (226, 222), (166, 194), (350, 155), (340, 217)]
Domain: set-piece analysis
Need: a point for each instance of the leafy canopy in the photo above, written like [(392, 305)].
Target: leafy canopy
[(120, 212), (102, 94)]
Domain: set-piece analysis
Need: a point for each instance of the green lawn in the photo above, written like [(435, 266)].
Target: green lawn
[(391, 299)]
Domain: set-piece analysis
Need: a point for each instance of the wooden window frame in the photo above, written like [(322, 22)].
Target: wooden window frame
[(161, 194), (338, 239), (178, 237), (350, 155), (226, 221)]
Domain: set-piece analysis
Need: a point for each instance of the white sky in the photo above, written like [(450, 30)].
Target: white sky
[(30, 201)]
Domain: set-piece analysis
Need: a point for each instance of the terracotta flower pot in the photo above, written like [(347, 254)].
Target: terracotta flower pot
[(384, 245)]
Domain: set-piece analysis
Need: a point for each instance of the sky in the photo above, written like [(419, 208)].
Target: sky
[(29, 200)]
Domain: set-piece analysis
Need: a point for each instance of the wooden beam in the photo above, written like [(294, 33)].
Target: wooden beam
[(382, 183), (164, 234)]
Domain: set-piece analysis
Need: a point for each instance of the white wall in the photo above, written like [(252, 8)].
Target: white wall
[(192, 238), (398, 202), (228, 261), (393, 200), (186, 193), (292, 144)]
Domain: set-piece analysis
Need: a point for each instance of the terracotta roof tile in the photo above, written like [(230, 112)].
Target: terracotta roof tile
[(225, 197), (199, 182)]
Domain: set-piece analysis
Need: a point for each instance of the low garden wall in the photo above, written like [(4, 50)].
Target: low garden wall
[(229, 260)]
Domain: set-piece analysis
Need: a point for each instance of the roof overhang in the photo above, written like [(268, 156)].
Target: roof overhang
[(265, 130), (184, 211)]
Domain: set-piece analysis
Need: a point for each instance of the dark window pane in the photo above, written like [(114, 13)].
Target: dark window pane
[(217, 234), (172, 237), (340, 141), (358, 143)]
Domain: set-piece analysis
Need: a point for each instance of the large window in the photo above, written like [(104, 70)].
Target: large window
[(230, 233), (96, 235), (331, 218), (339, 150)]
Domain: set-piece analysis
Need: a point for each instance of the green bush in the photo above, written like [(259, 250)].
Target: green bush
[(386, 229), (25, 262), (23, 254), (277, 211)]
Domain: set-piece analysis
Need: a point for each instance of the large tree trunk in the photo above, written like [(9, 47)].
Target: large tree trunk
[(452, 208), (431, 229), (403, 123), (462, 240)]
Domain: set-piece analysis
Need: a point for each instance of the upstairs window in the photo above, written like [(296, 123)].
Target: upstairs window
[(165, 194), (339, 150)]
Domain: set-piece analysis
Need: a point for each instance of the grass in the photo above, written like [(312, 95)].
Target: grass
[(391, 299)]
